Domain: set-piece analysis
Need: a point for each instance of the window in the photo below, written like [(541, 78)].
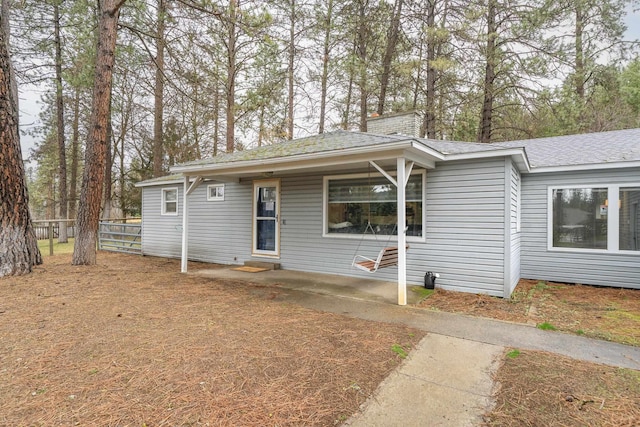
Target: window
[(603, 217), (169, 201), (215, 192), (580, 218), (629, 219), (354, 201)]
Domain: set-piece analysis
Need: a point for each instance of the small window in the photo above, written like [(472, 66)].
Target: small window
[(215, 192), (169, 201)]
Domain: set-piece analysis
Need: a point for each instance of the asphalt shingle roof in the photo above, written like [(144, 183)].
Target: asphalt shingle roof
[(331, 141), (581, 149), (571, 150)]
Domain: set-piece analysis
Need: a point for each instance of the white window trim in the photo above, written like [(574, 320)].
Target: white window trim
[(325, 202), (518, 203), (215, 198), (163, 207), (613, 218)]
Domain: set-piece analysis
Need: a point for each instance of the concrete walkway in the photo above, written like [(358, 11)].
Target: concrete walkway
[(447, 379), (445, 382)]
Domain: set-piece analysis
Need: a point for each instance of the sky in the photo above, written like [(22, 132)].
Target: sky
[(30, 96)]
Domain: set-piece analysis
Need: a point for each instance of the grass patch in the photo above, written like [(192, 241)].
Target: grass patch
[(546, 326), (399, 350), (422, 292), (58, 248), (513, 353)]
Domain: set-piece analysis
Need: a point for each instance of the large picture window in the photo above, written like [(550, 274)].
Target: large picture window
[(355, 201), (605, 218)]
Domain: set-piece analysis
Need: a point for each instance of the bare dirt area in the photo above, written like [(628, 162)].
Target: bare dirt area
[(598, 312), (132, 342), (541, 389)]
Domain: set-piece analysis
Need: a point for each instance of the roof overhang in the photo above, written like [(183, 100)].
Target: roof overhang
[(321, 161), (335, 160), (587, 167), (518, 155)]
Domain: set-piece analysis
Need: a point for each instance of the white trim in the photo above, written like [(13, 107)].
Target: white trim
[(401, 169), (325, 205), (163, 201), (184, 257), (502, 152), (384, 173), (254, 218), (506, 267), (588, 167), (518, 202), (177, 180), (613, 218), (217, 197)]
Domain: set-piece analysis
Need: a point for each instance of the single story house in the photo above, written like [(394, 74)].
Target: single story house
[(482, 216)]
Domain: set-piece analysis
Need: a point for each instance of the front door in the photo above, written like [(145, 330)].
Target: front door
[(266, 212)]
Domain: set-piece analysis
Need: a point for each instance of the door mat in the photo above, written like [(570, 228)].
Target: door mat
[(248, 269)]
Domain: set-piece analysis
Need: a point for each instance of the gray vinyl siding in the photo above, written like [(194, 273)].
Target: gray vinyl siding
[(514, 233), (161, 234), (465, 226), (606, 269), (465, 219)]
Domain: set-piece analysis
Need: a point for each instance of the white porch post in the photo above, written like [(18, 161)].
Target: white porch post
[(402, 230), (185, 225)]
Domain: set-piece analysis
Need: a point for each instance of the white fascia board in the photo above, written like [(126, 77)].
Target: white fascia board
[(427, 150), (171, 181), (334, 157), (588, 167), (180, 180), (507, 152)]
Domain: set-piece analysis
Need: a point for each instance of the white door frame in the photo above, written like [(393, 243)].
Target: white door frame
[(255, 251)]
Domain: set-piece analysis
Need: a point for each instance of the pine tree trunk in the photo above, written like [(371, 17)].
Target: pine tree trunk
[(579, 68), (362, 64), (231, 77), (429, 119), (18, 245), (158, 95), (290, 68), (73, 184), (325, 66), (484, 134), (62, 157), (108, 167), (389, 53), (84, 252)]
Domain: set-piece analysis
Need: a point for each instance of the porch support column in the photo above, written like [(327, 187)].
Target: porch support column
[(185, 225), (402, 230)]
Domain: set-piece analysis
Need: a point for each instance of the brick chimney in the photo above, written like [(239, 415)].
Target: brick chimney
[(406, 123)]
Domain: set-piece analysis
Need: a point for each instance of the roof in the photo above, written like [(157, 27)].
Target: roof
[(326, 142), (600, 148), (593, 150)]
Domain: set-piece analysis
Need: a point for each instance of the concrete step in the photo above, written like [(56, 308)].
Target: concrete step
[(263, 264)]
